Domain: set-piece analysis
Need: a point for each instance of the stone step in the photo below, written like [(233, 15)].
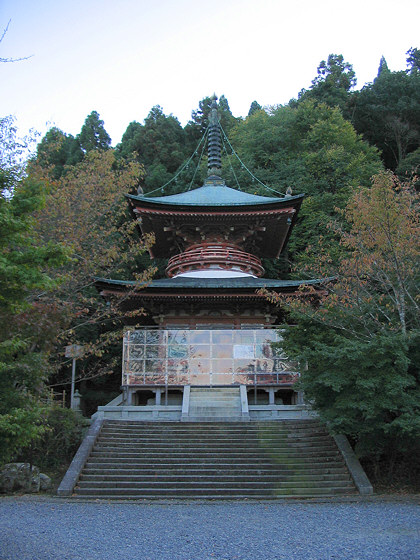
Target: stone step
[(218, 442), (213, 445), (287, 454), (210, 493), (217, 436), (204, 457), (219, 484), (218, 460), (210, 477), (173, 426), (215, 396), (239, 464), (210, 428), (211, 418), (184, 458), (237, 430), (108, 469), (214, 391)]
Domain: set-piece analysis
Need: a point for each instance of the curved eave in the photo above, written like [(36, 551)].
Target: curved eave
[(223, 205), (195, 286), (277, 215)]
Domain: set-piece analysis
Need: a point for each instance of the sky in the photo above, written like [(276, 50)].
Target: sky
[(122, 57)]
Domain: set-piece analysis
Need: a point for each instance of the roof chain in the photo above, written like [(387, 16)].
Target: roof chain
[(244, 166)]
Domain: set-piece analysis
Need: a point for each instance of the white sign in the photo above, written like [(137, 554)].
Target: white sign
[(74, 351)]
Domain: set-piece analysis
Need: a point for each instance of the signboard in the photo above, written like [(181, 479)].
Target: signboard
[(74, 351)]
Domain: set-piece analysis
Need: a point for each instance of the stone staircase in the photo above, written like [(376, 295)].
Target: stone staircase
[(218, 460), (215, 404)]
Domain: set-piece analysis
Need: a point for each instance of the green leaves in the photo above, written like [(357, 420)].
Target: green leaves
[(361, 338), (19, 428)]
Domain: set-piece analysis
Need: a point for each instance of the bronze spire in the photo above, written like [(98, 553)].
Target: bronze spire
[(214, 141)]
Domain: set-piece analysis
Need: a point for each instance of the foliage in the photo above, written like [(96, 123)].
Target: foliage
[(197, 126), (332, 84), (25, 266), (409, 168), (255, 106), (93, 135), (383, 66), (57, 151), (312, 149), (159, 145), (14, 151), (62, 435), (360, 335), (387, 113), (87, 213), (19, 428), (413, 61)]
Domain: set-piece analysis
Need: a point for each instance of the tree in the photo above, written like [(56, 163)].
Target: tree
[(413, 61), (58, 150), (409, 168), (5, 30), (383, 66), (387, 113), (14, 151), (86, 212), (25, 266), (333, 82), (360, 335), (198, 124), (159, 145), (312, 149), (255, 106), (93, 135)]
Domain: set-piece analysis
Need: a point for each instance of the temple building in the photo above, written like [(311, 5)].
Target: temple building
[(206, 331), (209, 406)]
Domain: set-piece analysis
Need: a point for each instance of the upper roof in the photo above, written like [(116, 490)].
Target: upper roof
[(214, 212), (213, 193)]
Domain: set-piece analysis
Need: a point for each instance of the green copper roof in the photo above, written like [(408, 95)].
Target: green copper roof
[(215, 283), (212, 194)]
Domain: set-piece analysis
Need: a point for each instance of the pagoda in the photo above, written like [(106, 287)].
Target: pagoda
[(206, 327)]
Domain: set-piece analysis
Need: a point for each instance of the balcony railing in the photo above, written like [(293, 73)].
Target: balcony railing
[(210, 255), (206, 357)]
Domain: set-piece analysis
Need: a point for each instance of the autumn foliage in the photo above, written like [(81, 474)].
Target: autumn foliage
[(86, 212), (360, 334)]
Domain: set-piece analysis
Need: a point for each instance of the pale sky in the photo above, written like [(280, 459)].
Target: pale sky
[(122, 57)]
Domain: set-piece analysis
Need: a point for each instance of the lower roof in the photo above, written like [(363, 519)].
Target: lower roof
[(182, 283)]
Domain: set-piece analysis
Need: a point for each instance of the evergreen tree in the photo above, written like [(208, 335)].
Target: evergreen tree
[(93, 135), (413, 61), (159, 145), (387, 113), (383, 66), (198, 124), (58, 150), (333, 82), (255, 106)]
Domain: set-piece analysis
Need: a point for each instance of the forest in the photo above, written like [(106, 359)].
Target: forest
[(355, 153)]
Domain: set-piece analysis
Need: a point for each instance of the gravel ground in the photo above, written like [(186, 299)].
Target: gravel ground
[(52, 529)]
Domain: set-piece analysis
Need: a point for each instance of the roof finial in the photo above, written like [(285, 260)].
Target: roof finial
[(214, 141)]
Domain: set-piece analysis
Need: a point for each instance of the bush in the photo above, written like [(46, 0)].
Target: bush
[(58, 444)]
